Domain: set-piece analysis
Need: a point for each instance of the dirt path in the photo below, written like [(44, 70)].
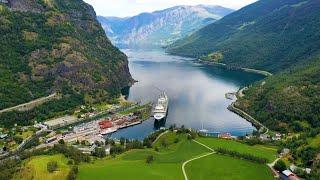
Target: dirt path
[(199, 157)]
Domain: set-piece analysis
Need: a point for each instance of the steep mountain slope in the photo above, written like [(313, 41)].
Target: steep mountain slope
[(289, 101), (269, 35), (50, 45), (160, 28)]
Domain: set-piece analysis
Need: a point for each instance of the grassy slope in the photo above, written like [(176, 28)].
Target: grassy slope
[(36, 168), (168, 161), (260, 151), (166, 165), (226, 168)]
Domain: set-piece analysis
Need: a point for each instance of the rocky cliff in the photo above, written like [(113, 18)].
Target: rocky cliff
[(47, 45)]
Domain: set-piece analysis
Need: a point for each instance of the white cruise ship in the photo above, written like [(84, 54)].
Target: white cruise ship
[(161, 109)]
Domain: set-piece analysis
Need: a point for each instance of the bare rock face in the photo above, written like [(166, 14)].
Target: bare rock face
[(25, 6)]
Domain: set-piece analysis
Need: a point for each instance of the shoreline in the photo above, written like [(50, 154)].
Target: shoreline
[(249, 70), (260, 127)]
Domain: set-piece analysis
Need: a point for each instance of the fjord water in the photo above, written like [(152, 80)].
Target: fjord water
[(196, 93)]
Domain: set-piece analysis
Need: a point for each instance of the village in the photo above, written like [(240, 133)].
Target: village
[(87, 127)]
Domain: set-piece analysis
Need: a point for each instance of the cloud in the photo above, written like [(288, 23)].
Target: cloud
[(124, 8)]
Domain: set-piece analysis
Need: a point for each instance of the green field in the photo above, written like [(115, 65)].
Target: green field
[(173, 150), (132, 165), (226, 168), (168, 162), (36, 168), (258, 150)]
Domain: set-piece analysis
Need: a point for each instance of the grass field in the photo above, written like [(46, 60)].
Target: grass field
[(226, 168), (168, 161), (173, 150), (36, 168), (258, 150), (132, 165)]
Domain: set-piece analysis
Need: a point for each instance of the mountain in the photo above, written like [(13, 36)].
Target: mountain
[(280, 36), (160, 28), (56, 46), (288, 101), (270, 35)]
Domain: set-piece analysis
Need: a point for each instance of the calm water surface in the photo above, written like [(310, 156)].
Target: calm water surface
[(196, 93)]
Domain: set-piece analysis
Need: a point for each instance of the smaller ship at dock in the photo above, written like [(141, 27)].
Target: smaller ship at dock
[(161, 108)]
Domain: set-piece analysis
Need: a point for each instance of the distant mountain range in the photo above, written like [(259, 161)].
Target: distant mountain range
[(160, 28)]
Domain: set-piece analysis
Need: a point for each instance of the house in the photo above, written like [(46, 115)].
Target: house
[(264, 137), (225, 135), (3, 136), (277, 137), (288, 175), (284, 151)]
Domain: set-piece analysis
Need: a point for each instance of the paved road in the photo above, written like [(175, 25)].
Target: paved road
[(30, 104), (250, 117)]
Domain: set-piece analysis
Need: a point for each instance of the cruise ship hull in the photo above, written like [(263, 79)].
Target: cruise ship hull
[(161, 109)]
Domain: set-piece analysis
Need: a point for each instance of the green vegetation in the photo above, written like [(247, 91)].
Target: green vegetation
[(166, 164), (226, 168), (52, 166), (213, 57), (44, 167), (256, 150), (280, 165), (270, 35), (167, 161), (245, 156), (286, 102), (49, 46)]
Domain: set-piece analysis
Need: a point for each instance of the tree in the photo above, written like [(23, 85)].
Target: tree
[(149, 159), (280, 165), (122, 140), (97, 143), (99, 152), (164, 143), (18, 139), (73, 173), (61, 141), (83, 142), (52, 166)]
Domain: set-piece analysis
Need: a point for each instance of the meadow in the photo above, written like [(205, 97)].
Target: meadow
[(36, 168), (169, 153), (257, 150), (168, 162)]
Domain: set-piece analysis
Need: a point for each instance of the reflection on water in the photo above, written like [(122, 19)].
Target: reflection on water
[(196, 93)]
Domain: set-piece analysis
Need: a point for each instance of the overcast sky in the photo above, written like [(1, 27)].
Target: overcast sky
[(123, 8)]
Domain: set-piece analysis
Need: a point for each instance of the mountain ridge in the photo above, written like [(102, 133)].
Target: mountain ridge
[(162, 27), (246, 37)]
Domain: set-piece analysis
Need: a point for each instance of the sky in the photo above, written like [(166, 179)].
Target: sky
[(124, 8)]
